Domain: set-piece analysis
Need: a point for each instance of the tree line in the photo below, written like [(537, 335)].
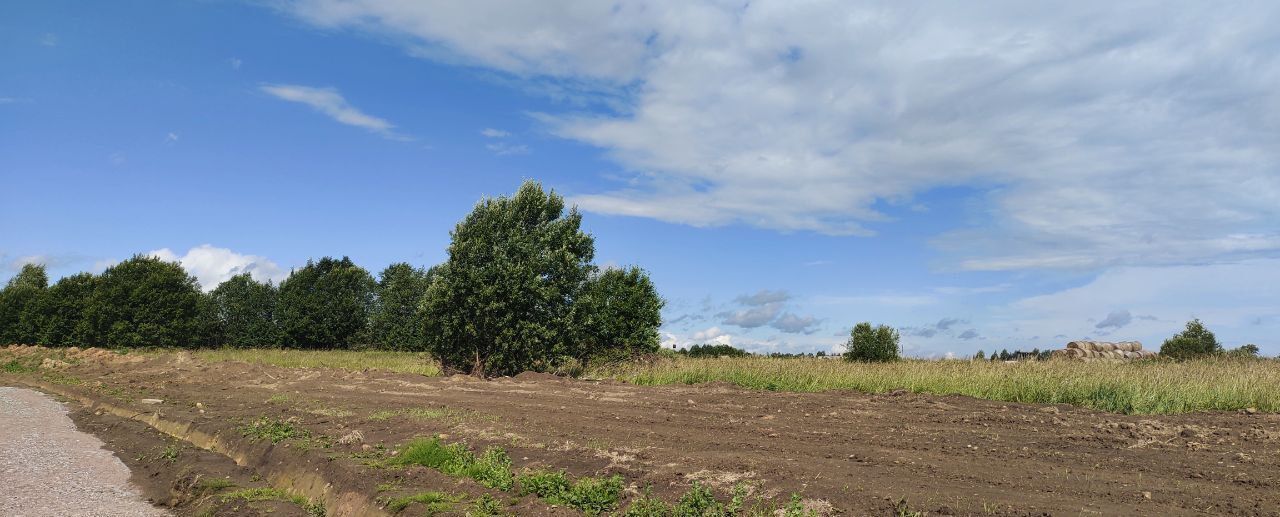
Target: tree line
[(518, 291)]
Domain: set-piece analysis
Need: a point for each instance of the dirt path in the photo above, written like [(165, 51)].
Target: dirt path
[(846, 453), (47, 467)]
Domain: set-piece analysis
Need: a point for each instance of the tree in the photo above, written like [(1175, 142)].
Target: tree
[(1194, 341), (245, 310), (979, 356), (20, 302), (501, 303), (617, 315), (401, 289), (145, 301), (1249, 351), (64, 307), (326, 304), (867, 344)]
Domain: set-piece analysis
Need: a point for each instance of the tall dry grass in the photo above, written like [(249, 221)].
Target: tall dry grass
[(404, 362), (1138, 387)]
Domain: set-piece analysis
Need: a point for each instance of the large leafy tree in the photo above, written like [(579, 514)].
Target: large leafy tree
[(617, 315), (145, 301), (878, 344), (1194, 341), (502, 302), (326, 304), (401, 289), (20, 302), (63, 309), (245, 311)]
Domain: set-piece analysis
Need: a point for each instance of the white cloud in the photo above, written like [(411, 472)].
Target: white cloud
[(1230, 298), (212, 266), (708, 334), (171, 137), (49, 39), (504, 149), (494, 133), (235, 63), (331, 103), (1148, 138)]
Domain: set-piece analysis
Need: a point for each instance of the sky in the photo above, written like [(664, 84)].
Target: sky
[(1008, 175)]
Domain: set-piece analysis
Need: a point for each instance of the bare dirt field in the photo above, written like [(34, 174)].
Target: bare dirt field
[(842, 452)]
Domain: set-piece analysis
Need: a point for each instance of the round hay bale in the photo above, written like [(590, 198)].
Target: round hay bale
[(1075, 345)]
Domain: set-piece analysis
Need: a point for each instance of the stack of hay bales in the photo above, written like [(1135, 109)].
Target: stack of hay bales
[(1099, 350)]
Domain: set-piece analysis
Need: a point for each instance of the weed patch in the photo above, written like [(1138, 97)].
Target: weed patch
[(433, 502), (491, 469), (593, 496), (273, 429)]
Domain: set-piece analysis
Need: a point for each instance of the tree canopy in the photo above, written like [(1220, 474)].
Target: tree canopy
[(20, 316), (145, 301), (501, 303), (326, 304), (401, 289), (245, 313)]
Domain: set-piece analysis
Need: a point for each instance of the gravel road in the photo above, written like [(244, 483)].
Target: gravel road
[(47, 467)]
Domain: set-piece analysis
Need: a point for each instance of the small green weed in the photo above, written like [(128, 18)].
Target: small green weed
[(170, 453), (279, 398), (486, 506)]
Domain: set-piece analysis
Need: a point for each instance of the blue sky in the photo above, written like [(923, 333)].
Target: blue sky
[(1008, 176)]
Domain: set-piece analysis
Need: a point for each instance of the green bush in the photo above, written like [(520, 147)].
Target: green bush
[(501, 303), (867, 344), (326, 304), (245, 311), (1194, 341), (146, 302), (699, 501), (63, 321), (20, 304), (401, 289), (616, 316)]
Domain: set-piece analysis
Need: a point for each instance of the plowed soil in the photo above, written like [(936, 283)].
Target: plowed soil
[(843, 452)]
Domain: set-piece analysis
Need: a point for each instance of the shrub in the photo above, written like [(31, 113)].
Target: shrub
[(1194, 341), (617, 315), (501, 303), (144, 302), (866, 344), (1249, 351), (326, 304), (714, 351), (245, 313)]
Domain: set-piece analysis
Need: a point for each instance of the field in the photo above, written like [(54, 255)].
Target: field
[(782, 434)]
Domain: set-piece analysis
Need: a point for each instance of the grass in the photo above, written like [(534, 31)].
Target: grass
[(441, 413), (273, 429), (1137, 387), (274, 494), (592, 496), (491, 469), (357, 360), (16, 366), (433, 502)]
